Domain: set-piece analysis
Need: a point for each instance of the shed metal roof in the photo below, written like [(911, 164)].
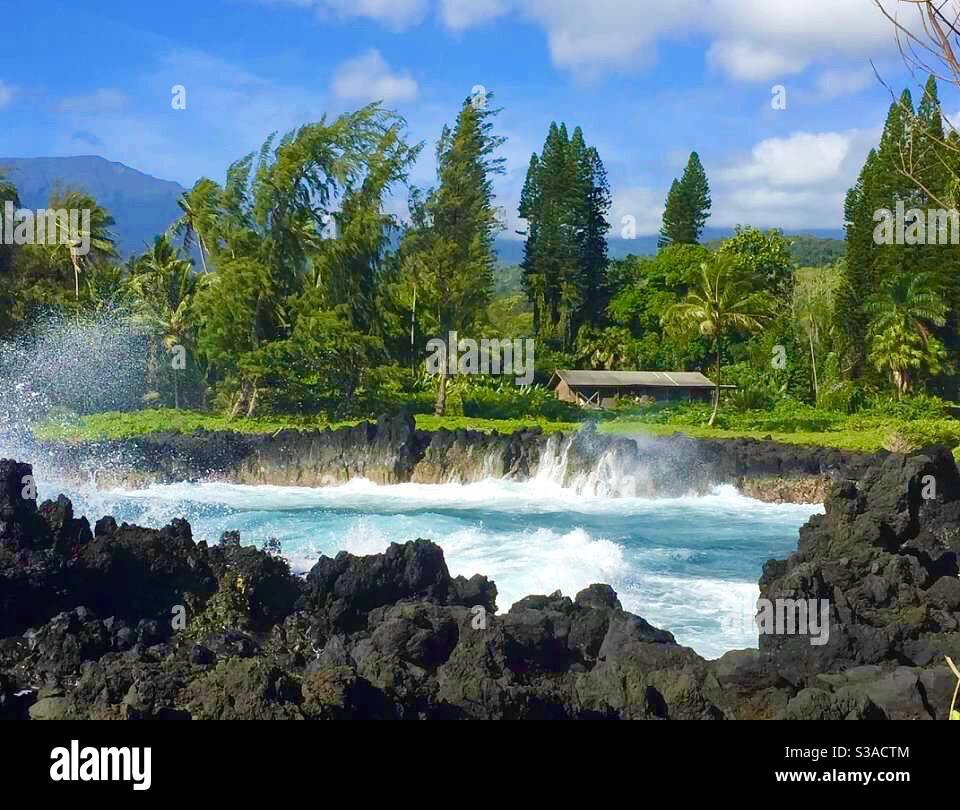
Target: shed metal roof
[(628, 379)]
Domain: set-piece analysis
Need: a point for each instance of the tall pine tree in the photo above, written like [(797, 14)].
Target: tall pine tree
[(859, 278), (565, 201), (448, 253), (688, 206), (914, 165), (593, 196)]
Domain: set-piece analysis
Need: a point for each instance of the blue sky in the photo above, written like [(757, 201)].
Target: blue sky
[(647, 81)]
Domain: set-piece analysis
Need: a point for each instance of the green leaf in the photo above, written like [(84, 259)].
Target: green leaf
[(955, 715)]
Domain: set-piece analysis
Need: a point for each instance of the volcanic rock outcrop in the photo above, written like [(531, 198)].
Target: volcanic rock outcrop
[(392, 451), (125, 622)]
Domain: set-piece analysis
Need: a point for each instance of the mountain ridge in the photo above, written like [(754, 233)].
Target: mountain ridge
[(145, 206), (142, 205)]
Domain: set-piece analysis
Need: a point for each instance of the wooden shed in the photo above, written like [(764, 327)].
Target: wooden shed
[(600, 389)]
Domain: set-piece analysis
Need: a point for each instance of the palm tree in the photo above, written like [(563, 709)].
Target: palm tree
[(901, 341), (163, 293), (815, 291), (721, 303), (197, 219), (97, 234), (104, 288), (607, 349)]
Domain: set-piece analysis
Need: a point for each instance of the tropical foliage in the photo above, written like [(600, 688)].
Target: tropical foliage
[(291, 287), (722, 303)]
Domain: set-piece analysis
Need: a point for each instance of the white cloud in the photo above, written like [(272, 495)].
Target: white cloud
[(609, 33), (764, 208), (795, 182), (460, 14), (798, 182), (6, 94), (751, 40), (844, 25), (368, 78), (103, 100), (397, 14), (747, 61), (637, 207), (762, 39), (802, 159), (836, 83)]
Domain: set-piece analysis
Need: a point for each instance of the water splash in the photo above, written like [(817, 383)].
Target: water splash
[(608, 475), (65, 367)]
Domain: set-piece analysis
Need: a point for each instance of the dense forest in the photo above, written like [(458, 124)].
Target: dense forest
[(288, 288)]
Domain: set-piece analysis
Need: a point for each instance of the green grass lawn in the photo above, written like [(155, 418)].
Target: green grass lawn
[(139, 423), (127, 425), (862, 440), (429, 422)]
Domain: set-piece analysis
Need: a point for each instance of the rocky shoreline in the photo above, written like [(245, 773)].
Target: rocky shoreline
[(122, 622), (393, 451)]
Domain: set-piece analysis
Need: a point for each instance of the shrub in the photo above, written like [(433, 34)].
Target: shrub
[(754, 390), (749, 398), (923, 433), (388, 389), (920, 406), (663, 413), (489, 398), (841, 396), (787, 416)]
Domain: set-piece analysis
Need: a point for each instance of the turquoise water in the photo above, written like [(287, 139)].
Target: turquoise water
[(689, 565)]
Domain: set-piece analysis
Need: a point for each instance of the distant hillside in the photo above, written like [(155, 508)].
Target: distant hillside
[(510, 251), (143, 206), (814, 251), (812, 247)]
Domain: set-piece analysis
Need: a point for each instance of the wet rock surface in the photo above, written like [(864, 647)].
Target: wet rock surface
[(120, 622), (884, 556), (393, 451)]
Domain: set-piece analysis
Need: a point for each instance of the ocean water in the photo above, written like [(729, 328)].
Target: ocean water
[(689, 565)]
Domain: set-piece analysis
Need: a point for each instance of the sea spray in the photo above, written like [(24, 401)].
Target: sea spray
[(63, 367), (598, 467)]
